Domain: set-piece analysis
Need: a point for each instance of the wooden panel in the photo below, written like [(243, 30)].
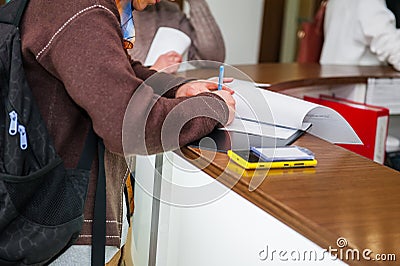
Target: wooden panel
[(271, 31), (2, 2)]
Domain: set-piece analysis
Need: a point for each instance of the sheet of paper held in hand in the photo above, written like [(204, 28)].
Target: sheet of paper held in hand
[(166, 40), (267, 113)]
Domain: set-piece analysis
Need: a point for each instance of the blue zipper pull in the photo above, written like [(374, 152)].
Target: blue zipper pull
[(13, 123), (23, 143)]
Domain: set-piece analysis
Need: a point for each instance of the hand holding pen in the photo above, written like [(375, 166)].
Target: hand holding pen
[(226, 95), (199, 86)]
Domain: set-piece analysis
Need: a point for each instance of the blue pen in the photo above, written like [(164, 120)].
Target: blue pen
[(221, 77)]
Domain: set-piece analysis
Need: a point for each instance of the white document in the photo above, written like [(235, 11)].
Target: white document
[(166, 40), (258, 128), (270, 108), (380, 139), (263, 85), (384, 92)]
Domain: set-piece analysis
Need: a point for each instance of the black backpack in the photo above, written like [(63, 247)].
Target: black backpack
[(41, 202)]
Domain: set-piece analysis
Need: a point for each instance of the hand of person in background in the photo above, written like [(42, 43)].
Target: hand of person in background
[(168, 62)]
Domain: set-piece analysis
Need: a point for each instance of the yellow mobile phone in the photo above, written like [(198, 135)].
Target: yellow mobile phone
[(250, 160), (262, 172)]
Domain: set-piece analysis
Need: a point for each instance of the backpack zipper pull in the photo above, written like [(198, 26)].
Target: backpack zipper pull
[(23, 138), (13, 123)]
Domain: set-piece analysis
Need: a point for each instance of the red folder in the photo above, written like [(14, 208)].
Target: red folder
[(368, 121)]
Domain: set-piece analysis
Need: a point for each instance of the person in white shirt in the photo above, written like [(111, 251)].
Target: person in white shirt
[(360, 32)]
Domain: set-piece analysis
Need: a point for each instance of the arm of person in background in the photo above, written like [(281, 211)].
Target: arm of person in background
[(379, 26), (206, 36), (201, 27)]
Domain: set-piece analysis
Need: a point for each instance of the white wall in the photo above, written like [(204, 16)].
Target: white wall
[(241, 24)]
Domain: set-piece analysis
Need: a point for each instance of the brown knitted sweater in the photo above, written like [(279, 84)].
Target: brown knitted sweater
[(79, 72)]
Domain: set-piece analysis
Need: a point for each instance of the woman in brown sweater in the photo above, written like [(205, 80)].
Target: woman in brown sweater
[(80, 75)]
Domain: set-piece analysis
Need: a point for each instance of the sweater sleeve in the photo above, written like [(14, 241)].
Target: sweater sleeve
[(99, 78), (207, 39), (162, 83)]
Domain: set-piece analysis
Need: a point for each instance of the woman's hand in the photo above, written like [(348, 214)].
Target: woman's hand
[(195, 87), (168, 62), (230, 102)]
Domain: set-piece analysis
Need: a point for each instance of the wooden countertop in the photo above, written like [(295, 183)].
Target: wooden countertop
[(292, 75), (346, 195)]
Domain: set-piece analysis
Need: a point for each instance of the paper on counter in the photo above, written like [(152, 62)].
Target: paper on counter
[(273, 108), (384, 92), (166, 40), (261, 129), (263, 85)]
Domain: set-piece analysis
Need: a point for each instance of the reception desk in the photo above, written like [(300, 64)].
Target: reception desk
[(347, 206)]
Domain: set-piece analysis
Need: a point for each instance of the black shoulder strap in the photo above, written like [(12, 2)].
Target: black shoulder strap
[(92, 143), (90, 148), (11, 13), (99, 216)]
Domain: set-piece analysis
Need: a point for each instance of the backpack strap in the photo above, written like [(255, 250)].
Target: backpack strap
[(11, 13), (86, 159), (99, 216)]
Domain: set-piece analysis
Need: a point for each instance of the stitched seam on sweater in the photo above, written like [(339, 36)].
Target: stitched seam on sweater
[(217, 114), (92, 235), (222, 106), (121, 211), (107, 221), (67, 23)]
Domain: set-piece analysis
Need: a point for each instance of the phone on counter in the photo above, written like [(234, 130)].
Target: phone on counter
[(286, 153), (249, 159)]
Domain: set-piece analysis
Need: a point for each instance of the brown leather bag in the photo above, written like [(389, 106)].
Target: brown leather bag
[(311, 37)]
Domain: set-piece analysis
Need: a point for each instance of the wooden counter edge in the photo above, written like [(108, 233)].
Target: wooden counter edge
[(320, 236)]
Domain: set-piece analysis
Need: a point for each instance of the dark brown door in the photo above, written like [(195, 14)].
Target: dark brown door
[(271, 31)]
